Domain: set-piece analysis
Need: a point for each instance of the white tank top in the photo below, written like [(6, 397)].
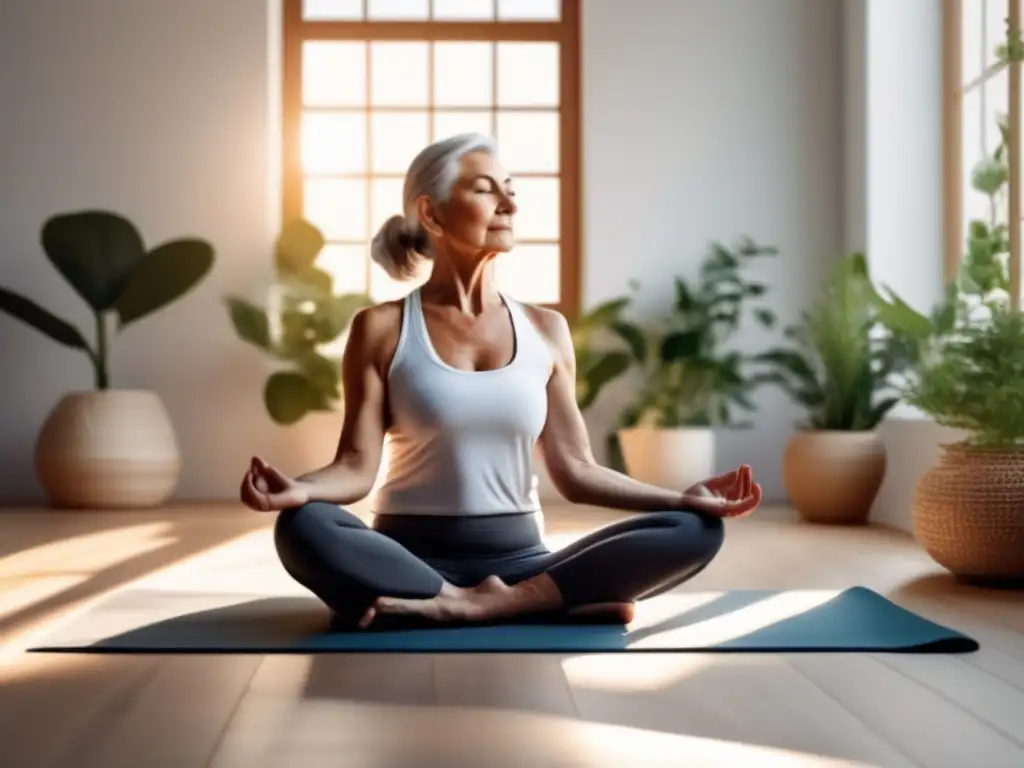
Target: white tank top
[(461, 442)]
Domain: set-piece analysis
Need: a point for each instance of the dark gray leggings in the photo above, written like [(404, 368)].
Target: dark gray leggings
[(348, 564)]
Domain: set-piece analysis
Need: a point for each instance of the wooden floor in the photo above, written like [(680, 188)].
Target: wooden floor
[(613, 711)]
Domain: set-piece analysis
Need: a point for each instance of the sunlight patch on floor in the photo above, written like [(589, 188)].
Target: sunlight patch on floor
[(739, 622), (274, 725)]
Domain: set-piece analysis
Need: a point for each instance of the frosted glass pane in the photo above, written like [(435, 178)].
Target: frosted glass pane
[(347, 265), (397, 137), (975, 204), (996, 12), (463, 75), (383, 288), (385, 201), (452, 123), (528, 141), (333, 142), (997, 103), (332, 10), (539, 206), (398, 73), (971, 38), (333, 73), (529, 10), (528, 74), (337, 207), (463, 10), (530, 273), (397, 10)]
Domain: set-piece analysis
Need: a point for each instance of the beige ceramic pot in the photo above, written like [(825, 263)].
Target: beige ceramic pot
[(668, 457), (834, 476), (968, 513), (111, 449)]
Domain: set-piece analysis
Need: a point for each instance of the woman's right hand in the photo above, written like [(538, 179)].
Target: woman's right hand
[(266, 489)]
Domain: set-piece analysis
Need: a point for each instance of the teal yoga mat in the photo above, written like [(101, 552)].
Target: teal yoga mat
[(851, 620)]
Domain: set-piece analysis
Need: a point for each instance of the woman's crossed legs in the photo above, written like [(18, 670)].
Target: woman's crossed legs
[(360, 573)]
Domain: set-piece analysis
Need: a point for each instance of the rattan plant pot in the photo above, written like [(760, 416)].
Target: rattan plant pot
[(833, 477), (112, 449), (968, 513)]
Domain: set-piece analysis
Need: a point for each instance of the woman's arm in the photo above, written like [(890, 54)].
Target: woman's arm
[(350, 476), (566, 445)]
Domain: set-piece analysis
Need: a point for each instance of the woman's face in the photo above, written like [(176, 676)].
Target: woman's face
[(477, 218)]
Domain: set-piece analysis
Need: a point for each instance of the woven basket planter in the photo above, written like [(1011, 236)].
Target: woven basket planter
[(968, 513)]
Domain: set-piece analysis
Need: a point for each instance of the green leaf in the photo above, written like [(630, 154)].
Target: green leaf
[(684, 296), (899, 316), (681, 345), (250, 322), (879, 411), (41, 319), (289, 396), (600, 371), (95, 251), (634, 338), (765, 317), (297, 247), (163, 276), (323, 374)]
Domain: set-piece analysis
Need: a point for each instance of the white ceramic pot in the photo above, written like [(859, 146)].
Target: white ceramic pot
[(670, 458), (111, 449)]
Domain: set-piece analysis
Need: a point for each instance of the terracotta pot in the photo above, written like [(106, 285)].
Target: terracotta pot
[(111, 449), (968, 513), (834, 476), (669, 458)]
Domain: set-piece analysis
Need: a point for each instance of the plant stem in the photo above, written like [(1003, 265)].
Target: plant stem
[(100, 360)]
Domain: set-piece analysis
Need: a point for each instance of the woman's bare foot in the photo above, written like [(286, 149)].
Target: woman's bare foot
[(490, 599), (612, 613)]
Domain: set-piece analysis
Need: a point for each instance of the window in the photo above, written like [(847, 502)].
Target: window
[(368, 83), (982, 137)]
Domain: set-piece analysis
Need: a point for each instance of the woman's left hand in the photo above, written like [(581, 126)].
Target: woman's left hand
[(731, 494)]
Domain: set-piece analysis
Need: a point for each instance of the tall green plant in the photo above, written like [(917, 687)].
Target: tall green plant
[(841, 371), (969, 349), (690, 378), (302, 317), (103, 258)]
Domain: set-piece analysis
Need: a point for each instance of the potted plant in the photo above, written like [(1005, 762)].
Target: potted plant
[(108, 447), (691, 383), (843, 373), (968, 510), (299, 328)]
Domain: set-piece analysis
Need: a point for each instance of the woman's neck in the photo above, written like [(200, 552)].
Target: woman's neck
[(468, 285)]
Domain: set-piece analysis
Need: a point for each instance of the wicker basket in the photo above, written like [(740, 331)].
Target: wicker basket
[(968, 513)]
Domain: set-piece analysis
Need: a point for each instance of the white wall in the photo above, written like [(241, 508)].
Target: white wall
[(701, 120), (709, 120), (892, 205)]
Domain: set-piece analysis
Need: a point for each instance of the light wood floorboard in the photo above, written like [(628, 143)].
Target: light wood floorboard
[(604, 710)]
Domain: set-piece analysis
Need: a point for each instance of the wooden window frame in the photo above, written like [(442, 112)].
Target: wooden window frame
[(566, 32), (954, 179)]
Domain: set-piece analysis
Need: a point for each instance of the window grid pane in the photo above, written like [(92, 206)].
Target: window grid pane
[(360, 131)]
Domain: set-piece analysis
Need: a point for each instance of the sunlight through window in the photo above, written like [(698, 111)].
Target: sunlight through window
[(365, 106)]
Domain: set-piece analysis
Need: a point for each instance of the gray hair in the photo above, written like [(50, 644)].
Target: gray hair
[(401, 243)]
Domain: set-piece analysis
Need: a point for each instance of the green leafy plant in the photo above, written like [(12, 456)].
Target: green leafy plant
[(841, 370), (689, 377), (968, 351), (302, 317), (103, 258)]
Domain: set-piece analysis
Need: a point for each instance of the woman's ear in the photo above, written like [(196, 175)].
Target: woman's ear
[(427, 213)]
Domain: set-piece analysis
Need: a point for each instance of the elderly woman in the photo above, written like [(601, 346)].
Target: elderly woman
[(464, 381)]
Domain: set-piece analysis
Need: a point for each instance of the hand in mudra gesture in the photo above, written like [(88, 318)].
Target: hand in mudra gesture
[(731, 494), (266, 489)]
